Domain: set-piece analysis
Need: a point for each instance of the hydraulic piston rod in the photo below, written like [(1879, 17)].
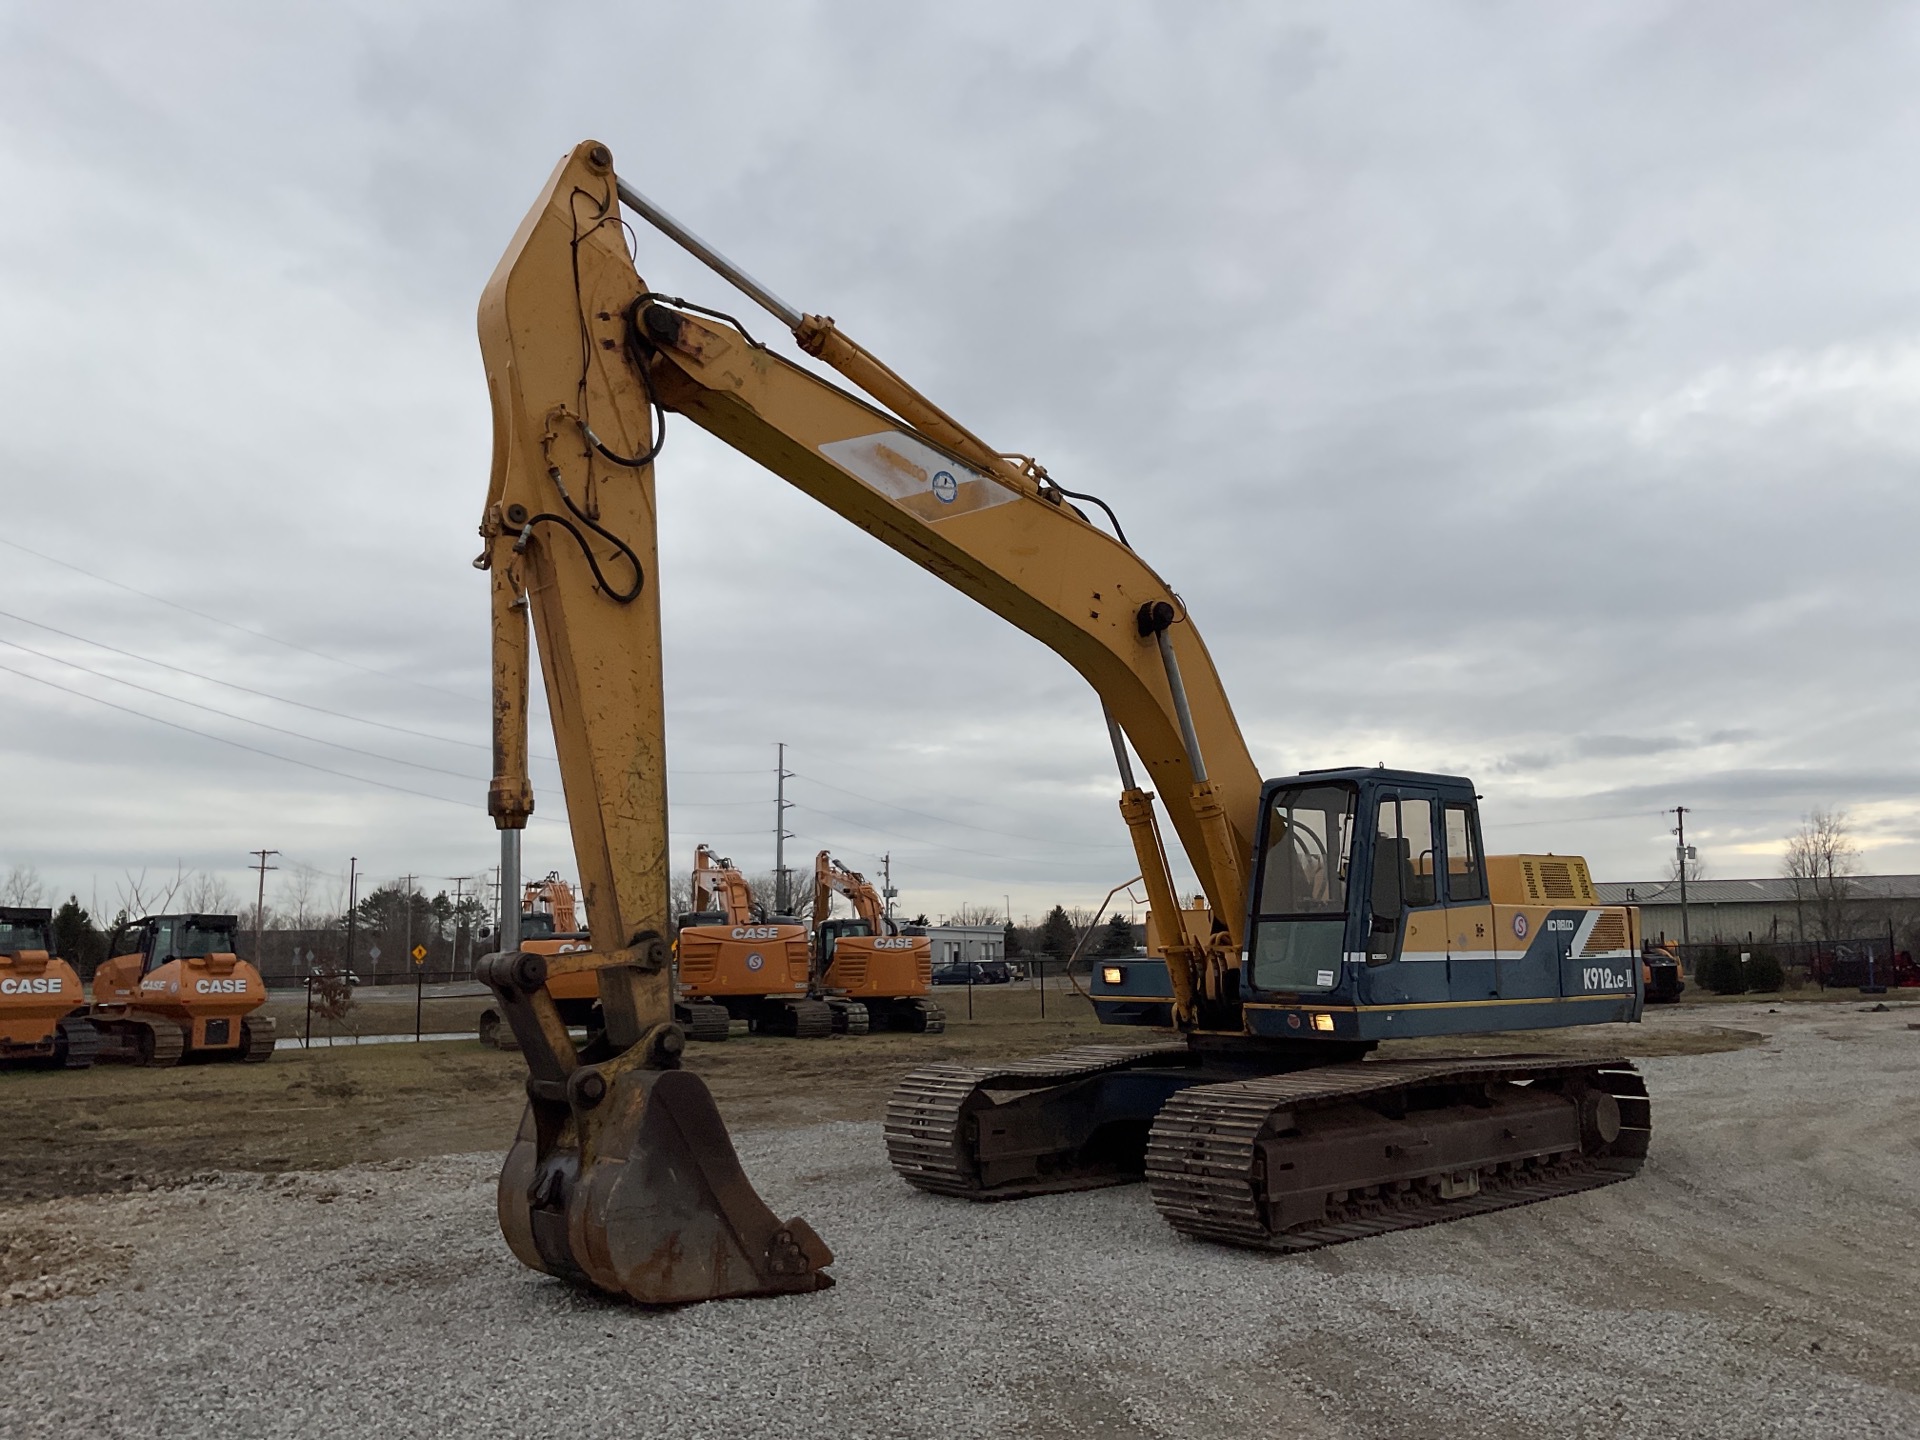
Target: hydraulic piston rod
[(708, 256)]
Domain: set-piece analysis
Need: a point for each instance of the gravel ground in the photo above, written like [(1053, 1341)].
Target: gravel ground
[(1760, 1278)]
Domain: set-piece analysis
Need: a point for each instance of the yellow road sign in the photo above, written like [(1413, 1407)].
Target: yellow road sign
[(419, 953)]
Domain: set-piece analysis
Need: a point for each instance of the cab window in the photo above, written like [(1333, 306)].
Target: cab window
[(1309, 844), (1406, 830), (1466, 877), (1300, 906)]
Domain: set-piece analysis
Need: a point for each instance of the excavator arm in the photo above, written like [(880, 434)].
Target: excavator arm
[(623, 1177), (608, 354), (831, 878), (718, 884)]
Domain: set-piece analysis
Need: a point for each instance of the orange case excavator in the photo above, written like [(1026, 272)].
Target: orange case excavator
[(42, 1013), (876, 976), (736, 962), (549, 925), (175, 988)]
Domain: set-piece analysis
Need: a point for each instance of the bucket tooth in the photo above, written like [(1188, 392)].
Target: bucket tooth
[(655, 1207)]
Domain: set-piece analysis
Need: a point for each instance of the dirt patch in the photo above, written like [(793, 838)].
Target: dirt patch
[(42, 1261), (116, 1128), (119, 1128)]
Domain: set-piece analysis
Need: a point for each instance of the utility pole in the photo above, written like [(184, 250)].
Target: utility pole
[(406, 899), (260, 905), (459, 916), (1682, 854), (353, 901), (887, 892), (780, 832)]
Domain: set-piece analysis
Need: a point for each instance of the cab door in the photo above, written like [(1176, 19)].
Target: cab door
[(1473, 958), (1409, 967)]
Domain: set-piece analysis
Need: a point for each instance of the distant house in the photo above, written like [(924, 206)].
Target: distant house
[(1769, 909), (954, 944)]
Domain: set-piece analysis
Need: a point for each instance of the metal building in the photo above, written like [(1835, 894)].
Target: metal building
[(953, 944), (1772, 909)]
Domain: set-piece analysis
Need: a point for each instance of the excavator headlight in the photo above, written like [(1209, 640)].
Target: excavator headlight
[(1112, 975), (1322, 1021)]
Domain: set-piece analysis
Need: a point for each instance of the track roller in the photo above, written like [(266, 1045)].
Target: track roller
[(850, 1017), (703, 1020), (1317, 1157), (76, 1044), (920, 1015), (257, 1036), (139, 1038), (801, 1019)]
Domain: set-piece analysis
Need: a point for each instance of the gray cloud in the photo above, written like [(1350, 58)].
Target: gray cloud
[(1519, 392)]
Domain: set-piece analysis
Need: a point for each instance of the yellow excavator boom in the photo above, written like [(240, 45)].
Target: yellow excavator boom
[(622, 1176)]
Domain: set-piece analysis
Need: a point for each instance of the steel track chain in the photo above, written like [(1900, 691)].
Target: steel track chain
[(1202, 1152), (924, 1115)]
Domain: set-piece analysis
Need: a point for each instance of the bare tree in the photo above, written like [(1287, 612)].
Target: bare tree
[(205, 893), (302, 900), (766, 893), (23, 886), (1696, 869), (1820, 861), (140, 895), (976, 915)]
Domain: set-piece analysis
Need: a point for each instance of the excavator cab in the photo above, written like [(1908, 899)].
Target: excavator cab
[(832, 930), (1375, 914)]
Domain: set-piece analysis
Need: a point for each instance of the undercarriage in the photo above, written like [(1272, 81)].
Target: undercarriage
[(1269, 1150)]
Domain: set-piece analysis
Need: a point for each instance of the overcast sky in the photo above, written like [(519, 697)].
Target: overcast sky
[(1529, 392)]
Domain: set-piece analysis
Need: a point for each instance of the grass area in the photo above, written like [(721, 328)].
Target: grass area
[(455, 1009), (116, 1127), (1808, 994)]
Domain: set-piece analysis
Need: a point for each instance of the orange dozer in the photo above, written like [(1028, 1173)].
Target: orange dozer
[(42, 1013), (874, 976), (736, 962), (175, 989)]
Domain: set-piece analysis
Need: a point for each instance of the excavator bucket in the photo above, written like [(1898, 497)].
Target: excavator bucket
[(656, 1208)]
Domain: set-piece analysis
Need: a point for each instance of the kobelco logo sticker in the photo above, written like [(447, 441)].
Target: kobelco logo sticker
[(945, 487), (756, 960), (39, 985), (220, 987), (1519, 927)]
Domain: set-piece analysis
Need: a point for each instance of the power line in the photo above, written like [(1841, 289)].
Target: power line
[(244, 720), (1570, 820), (962, 824), (230, 624), (245, 689), (298, 704), (924, 842), (236, 744), (240, 745)]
